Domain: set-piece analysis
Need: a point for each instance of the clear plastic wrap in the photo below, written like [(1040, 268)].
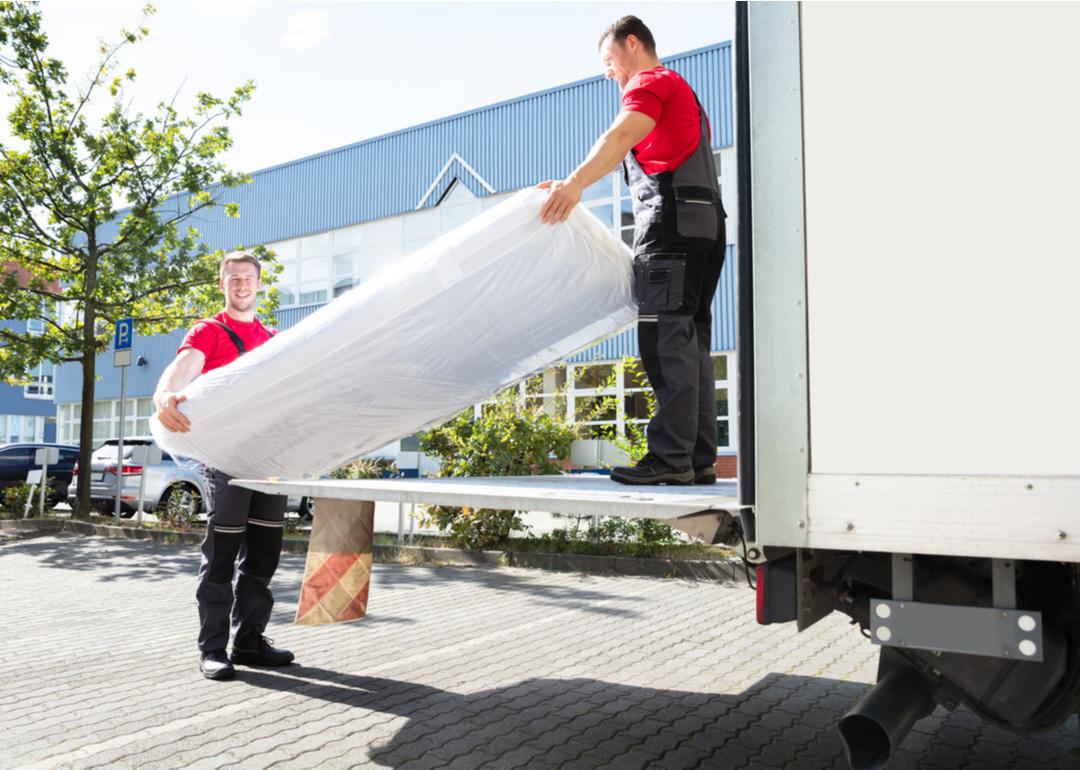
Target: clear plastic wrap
[(495, 300)]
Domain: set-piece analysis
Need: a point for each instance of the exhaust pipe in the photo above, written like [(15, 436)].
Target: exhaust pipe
[(885, 715)]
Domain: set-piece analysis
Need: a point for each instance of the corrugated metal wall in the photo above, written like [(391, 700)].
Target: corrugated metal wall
[(512, 145)]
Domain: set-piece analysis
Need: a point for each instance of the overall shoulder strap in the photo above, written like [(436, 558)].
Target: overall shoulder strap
[(232, 335)]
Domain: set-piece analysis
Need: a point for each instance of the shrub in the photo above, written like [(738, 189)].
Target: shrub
[(14, 502), (635, 443), (507, 439), (366, 468)]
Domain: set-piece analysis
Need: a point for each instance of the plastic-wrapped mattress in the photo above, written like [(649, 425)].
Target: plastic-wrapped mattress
[(495, 300)]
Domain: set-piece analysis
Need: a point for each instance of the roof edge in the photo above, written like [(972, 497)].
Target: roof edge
[(474, 111)]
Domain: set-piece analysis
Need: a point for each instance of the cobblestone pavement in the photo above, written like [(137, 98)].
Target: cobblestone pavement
[(454, 667)]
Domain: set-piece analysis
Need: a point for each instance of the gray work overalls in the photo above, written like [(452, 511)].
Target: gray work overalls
[(679, 243), (243, 524)]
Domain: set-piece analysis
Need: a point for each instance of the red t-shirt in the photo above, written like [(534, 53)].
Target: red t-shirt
[(666, 98), (216, 344)]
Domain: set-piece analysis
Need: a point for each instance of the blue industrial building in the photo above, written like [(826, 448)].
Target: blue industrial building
[(27, 412), (336, 218)]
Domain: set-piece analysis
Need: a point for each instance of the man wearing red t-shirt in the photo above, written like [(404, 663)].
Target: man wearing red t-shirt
[(242, 522), (662, 138)]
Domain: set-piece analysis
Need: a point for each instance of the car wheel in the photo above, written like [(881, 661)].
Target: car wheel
[(306, 509), (180, 503)]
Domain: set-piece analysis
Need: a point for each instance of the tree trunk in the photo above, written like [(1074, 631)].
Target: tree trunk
[(89, 360)]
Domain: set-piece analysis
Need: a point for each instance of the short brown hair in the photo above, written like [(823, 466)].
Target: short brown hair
[(240, 256), (626, 26)]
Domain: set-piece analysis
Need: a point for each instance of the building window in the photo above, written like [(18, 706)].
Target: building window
[(67, 423), (604, 397), (19, 428), (40, 386), (723, 372), (137, 413)]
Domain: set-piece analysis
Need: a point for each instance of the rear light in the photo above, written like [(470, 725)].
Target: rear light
[(126, 470), (75, 470)]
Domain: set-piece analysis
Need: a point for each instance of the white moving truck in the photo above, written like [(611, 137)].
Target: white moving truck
[(912, 269)]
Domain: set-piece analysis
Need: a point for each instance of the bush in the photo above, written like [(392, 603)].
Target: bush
[(640, 537), (365, 468), (14, 502), (507, 440), (635, 443)]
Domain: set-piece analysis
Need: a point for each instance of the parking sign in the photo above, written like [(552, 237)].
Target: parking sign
[(122, 338)]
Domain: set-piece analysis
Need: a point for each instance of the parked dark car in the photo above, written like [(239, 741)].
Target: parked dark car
[(16, 460)]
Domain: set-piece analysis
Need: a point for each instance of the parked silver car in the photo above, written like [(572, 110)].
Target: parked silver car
[(176, 486)]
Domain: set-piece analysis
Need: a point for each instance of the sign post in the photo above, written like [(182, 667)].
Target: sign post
[(125, 332), (45, 457), (144, 456), (32, 478)]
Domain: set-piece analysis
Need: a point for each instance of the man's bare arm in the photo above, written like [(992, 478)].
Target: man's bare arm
[(607, 152), (177, 375)]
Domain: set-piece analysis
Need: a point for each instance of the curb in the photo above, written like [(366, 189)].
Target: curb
[(716, 570)]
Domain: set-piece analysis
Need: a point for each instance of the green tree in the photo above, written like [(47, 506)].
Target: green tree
[(95, 213)]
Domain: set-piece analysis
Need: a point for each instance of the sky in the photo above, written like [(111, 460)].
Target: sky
[(331, 73)]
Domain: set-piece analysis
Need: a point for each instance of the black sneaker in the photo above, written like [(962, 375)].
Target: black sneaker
[(706, 475), (649, 470), (215, 665), (257, 650)]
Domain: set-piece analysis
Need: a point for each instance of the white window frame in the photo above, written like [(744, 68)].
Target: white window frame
[(40, 388)]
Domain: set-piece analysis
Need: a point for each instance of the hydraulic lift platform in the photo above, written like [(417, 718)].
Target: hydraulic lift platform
[(578, 494), (341, 548)]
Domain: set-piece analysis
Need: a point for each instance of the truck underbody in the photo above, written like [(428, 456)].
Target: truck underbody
[(978, 657)]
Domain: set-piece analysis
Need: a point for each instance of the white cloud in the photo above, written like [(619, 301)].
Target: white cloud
[(306, 29)]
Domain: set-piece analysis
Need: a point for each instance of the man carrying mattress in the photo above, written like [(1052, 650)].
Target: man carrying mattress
[(242, 522), (662, 139)]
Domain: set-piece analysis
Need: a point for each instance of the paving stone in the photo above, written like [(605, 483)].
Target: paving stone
[(453, 668)]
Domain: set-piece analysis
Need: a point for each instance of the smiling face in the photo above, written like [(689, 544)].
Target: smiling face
[(621, 61), (240, 284), (618, 59)]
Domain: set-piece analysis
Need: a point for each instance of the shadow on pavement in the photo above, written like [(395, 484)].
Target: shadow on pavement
[(115, 560), (781, 721)]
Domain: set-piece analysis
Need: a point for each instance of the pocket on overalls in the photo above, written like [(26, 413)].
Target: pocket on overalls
[(696, 215), (659, 281)]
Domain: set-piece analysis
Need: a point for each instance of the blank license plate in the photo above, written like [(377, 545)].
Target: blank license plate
[(98, 476)]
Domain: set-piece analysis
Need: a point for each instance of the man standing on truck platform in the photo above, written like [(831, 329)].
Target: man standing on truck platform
[(662, 138), (242, 522)]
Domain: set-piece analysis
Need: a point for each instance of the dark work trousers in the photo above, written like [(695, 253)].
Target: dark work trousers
[(675, 353), (245, 524)]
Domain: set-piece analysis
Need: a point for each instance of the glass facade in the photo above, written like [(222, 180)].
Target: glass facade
[(606, 395), (21, 427), (137, 413), (318, 268)]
